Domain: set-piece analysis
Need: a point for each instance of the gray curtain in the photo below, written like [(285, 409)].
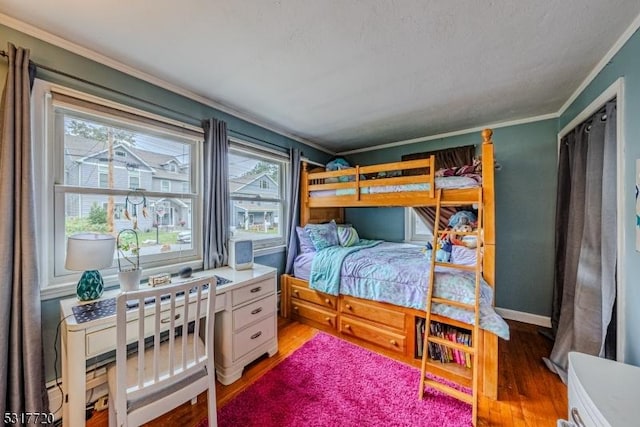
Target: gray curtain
[(294, 209), (22, 387), (585, 281), (215, 220)]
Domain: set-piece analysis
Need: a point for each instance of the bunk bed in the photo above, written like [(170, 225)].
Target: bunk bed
[(390, 328)]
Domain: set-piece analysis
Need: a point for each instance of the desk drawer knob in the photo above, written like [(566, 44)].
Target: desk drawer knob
[(256, 335), (257, 289), (257, 310), (168, 319)]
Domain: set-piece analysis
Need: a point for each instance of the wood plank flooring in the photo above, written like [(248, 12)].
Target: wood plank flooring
[(529, 395)]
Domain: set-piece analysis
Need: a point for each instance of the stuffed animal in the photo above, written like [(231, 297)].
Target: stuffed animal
[(443, 254)]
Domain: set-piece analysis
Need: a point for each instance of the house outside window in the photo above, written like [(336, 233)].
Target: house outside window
[(89, 143), (257, 192), (165, 185)]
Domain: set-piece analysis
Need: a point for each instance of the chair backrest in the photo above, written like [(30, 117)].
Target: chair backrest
[(163, 315)]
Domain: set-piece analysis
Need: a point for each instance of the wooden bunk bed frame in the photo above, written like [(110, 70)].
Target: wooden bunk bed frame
[(388, 328)]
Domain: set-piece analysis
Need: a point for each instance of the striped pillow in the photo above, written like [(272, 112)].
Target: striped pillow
[(348, 236)]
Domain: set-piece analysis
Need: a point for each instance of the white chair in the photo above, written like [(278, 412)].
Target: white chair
[(174, 364)]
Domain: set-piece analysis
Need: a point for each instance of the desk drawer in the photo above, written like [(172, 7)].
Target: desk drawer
[(254, 311), (254, 291), (253, 336)]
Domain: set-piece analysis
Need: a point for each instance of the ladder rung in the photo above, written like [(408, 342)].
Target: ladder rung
[(453, 303), (458, 266), (451, 344), (460, 395)]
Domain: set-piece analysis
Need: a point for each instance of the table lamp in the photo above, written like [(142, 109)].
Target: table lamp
[(89, 252)]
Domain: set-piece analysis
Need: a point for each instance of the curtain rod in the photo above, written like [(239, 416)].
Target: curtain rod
[(4, 54)]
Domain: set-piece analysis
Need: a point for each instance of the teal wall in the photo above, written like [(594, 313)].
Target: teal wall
[(626, 63), (160, 101), (525, 209)]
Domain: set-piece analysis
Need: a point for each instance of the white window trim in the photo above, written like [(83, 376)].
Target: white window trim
[(162, 185), (45, 191), (410, 235)]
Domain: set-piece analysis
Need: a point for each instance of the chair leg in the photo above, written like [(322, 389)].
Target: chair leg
[(211, 406)]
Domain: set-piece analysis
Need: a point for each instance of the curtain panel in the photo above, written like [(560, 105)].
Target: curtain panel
[(215, 218), (22, 386), (294, 209)]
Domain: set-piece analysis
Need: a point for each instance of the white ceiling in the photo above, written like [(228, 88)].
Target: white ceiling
[(345, 73)]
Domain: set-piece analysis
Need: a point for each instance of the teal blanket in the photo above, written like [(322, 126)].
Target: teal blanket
[(327, 263)]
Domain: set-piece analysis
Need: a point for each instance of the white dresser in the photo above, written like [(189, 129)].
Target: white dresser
[(247, 326), (602, 392)]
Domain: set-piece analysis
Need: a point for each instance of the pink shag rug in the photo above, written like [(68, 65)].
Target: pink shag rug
[(331, 382)]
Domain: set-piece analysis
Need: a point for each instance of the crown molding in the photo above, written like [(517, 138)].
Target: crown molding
[(455, 133), (77, 49)]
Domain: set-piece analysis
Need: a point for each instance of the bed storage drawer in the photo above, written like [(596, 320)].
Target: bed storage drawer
[(384, 338), (373, 312), (306, 294), (319, 316)]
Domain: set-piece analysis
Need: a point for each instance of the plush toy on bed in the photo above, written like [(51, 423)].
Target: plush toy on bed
[(443, 253), (463, 221)]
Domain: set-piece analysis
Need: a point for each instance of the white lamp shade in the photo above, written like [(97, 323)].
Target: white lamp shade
[(89, 251)]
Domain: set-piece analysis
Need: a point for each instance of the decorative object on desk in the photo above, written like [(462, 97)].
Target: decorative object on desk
[(89, 252), (185, 272), (135, 200), (128, 247), (334, 393), (240, 254), (159, 279)]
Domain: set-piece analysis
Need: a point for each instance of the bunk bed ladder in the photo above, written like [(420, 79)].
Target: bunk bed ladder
[(429, 337)]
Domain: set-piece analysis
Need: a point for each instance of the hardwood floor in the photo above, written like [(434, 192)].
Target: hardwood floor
[(529, 395)]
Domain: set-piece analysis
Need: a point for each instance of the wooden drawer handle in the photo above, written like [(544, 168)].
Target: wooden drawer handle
[(295, 307), (393, 342), (328, 319), (257, 289), (256, 335), (327, 301), (348, 307), (347, 326), (295, 291), (168, 319), (257, 310)]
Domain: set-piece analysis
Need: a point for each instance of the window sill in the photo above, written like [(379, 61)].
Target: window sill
[(269, 251), (68, 289)]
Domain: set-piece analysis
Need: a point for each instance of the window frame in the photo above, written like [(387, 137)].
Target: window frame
[(410, 233), (50, 190), (245, 148)]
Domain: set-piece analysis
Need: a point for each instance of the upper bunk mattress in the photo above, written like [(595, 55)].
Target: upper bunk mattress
[(443, 182)]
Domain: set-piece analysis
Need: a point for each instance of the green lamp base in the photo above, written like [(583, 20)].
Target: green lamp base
[(90, 286)]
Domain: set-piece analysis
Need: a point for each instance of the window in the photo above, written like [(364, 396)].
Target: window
[(165, 185), (99, 151), (185, 187), (134, 180), (104, 176), (415, 229), (257, 188)]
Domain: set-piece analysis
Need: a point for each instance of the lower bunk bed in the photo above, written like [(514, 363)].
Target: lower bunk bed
[(377, 299)]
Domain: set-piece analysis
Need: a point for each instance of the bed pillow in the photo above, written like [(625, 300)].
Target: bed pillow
[(347, 236), (304, 241), (323, 235), (463, 255)]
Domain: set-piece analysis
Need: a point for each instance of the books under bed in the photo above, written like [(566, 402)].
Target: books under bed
[(387, 313)]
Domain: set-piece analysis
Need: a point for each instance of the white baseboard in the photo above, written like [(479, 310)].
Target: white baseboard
[(96, 388), (521, 316)]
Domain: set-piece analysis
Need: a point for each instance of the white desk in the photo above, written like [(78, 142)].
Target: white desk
[(245, 328)]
